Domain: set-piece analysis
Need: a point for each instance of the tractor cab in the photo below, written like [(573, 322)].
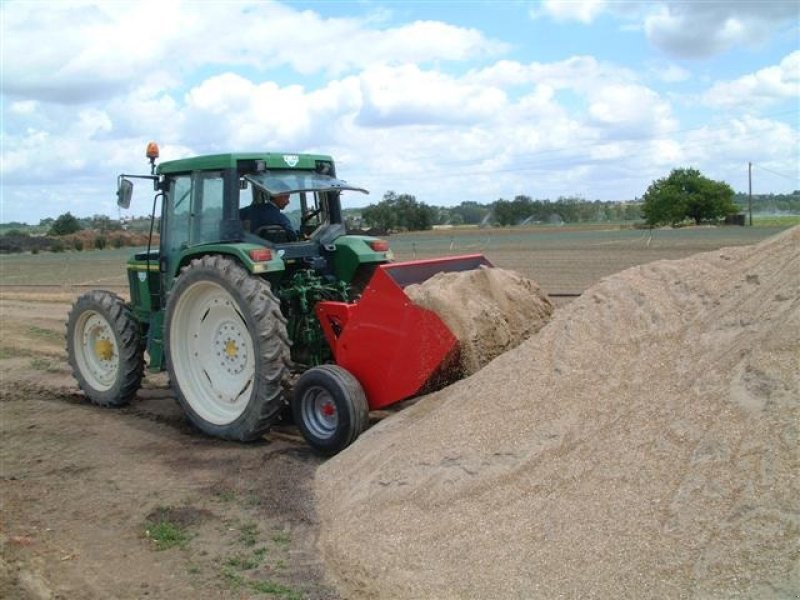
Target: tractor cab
[(221, 200)]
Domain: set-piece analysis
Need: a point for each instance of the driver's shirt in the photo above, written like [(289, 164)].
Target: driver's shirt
[(267, 214)]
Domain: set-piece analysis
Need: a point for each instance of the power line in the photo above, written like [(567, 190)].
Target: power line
[(784, 175)]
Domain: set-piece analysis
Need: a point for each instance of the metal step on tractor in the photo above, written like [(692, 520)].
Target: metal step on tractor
[(250, 325)]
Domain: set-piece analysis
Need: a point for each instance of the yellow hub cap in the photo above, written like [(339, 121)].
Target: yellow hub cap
[(104, 349), (231, 349)]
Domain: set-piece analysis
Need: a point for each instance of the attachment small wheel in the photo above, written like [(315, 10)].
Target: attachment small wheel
[(104, 348), (330, 408)]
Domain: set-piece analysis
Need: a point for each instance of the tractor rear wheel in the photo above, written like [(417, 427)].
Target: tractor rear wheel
[(227, 349), (104, 348), (330, 408)]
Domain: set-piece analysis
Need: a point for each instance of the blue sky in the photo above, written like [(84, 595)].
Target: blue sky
[(448, 101)]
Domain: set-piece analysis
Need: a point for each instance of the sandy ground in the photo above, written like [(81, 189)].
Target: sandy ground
[(644, 444)]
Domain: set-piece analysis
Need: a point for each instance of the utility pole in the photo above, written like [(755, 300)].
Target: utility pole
[(750, 190)]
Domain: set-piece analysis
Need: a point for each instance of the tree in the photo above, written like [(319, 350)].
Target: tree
[(687, 194), (64, 225), (400, 212), (470, 212)]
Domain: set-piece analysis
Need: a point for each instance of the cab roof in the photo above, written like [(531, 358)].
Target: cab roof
[(272, 160)]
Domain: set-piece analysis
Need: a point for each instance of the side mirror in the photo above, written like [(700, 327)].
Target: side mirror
[(124, 192)]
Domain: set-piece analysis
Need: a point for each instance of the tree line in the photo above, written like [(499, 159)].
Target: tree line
[(685, 195)]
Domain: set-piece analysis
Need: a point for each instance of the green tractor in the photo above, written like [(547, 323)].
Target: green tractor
[(251, 326)]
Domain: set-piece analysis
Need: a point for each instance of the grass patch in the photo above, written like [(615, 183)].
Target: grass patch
[(45, 333), (282, 538), (166, 535), (236, 581), (260, 553), (6, 353), (232, 577), (168, 527), (248, 534), (265, 586), (775, 220), (242, 562), (43, 364), (225, 494)]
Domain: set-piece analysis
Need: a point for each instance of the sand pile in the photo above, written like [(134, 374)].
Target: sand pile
[(489, 310), (643, 445)]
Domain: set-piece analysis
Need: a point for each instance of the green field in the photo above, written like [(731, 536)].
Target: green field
[(562, 259)]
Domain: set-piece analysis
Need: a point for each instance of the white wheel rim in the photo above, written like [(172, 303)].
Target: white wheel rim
[(96, 350), (212, 353)]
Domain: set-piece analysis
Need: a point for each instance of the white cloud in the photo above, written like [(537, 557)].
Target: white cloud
[(703, 29), (407, 95), (726, 148), (764, 87), (671, 73), (122, 45), (630, 111), (584, 11)]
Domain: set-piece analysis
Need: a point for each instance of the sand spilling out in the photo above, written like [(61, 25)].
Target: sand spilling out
[(489, 311), (645, 443)]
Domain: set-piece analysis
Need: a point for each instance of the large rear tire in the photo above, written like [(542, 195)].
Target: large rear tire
[(104, 348), (330, 408), (227, 349)]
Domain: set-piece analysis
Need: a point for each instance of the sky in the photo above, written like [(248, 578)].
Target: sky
[(449, 101)]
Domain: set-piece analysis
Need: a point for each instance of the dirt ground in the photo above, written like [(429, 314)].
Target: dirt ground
[(90, 495), (132, 503)]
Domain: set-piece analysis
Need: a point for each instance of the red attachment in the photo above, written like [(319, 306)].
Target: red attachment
[(391, 345)]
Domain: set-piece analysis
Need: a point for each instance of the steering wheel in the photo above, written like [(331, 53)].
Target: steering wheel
[(309, 216)]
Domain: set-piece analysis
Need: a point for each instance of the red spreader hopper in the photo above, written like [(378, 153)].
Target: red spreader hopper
[(392, 346)]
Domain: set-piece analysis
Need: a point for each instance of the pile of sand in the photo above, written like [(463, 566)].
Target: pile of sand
[(489, 310), (644, 444)]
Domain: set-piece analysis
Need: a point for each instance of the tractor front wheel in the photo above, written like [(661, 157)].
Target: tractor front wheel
[(104, 348), (227, 349), (330, 408)]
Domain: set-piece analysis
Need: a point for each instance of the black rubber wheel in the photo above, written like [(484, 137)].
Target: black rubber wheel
[(330, 408), (105, 348), (227, 350)]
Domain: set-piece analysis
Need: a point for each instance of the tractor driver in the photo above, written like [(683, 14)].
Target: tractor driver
[(266, 210)]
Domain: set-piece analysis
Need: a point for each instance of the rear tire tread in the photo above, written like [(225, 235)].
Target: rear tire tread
[(129, 341), (269, 335)]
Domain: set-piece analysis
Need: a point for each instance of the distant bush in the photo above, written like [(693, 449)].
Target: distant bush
[(118, 241), (57, 246), (64, 225), (12, 243), (78, 245), (100, 242)]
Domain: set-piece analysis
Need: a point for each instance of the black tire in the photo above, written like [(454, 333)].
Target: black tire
[(330, 408), (226, 348), (105, 348)]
